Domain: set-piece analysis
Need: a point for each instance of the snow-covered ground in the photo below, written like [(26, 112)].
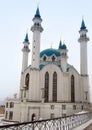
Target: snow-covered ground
[(1, 118), (2, 122)]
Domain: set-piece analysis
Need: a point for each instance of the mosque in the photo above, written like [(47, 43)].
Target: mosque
[(50, 87)]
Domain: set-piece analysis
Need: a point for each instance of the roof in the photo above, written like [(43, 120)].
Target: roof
[(37, 13), (60, 45), (64, 46), (26, 38), (83, 25), (49, 52)]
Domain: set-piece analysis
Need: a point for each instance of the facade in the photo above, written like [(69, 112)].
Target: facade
[(50, 87)]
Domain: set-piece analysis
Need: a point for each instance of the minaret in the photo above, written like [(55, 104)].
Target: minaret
[(25, 51), (63, 50), (36, 29), (83, 49), (83, 62)]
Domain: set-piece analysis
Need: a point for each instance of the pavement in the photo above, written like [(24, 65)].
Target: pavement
[(89, 127)]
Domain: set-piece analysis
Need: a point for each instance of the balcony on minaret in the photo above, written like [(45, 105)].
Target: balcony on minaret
[(83, 33), (83, 36), (36, 26)]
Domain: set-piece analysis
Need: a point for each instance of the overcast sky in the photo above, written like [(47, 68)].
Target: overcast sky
[(61, 19)]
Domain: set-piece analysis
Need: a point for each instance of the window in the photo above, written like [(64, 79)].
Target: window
[(53, 58), (54, 96), (52, 115), (52, 106), (74, 107), (27, 81), (82, 107), (11, 104), (46, 87), (63, 107), (72, 89), (6, 114), (6, 104), (11, 115), (44, 58)]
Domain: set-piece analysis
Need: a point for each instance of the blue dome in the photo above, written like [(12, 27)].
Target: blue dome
[(49, 52), (64, 46)]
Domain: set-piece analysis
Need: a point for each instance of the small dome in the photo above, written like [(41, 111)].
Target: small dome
[(64, 46), (49, 52)]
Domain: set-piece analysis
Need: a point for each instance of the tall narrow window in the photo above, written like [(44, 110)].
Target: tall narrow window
[(72, 89), (53, 58), (6, 114), (46, 94), (27, 81), (44, 58), (11, 115), (54, 96)]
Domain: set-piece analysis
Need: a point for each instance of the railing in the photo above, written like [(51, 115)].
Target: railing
[(61, 123)]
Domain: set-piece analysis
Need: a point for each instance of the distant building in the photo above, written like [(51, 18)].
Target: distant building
[(2, 109), (50, 87)]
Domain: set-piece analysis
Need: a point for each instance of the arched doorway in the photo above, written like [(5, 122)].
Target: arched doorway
[(33, 117)]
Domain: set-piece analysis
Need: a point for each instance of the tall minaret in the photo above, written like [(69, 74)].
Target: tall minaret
[(83, 62), (36, 29), (25, 51), (83, 49)]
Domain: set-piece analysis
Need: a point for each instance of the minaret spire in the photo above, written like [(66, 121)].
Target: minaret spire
[(37, 12), (36, 29), (25, 51), (82, 25), (60, 44)]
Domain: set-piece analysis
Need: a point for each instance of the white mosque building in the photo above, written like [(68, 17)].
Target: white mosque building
[(50, 87)]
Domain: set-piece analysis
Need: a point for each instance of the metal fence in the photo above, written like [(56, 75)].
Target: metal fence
[(61, 123)]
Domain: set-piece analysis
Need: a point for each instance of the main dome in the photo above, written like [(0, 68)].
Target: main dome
[(49, 52)]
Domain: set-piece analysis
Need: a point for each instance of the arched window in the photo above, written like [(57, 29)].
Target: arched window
[(44, 58), (46, 93), (53, 58), (11, 104), (54, 93), (72, 89), (27, 81)]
